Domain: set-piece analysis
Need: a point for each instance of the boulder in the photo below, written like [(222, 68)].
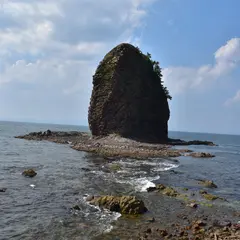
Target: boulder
[(29, 173), (125, 204), (3, 189), (208, 183), (201, 155), (128, 97)]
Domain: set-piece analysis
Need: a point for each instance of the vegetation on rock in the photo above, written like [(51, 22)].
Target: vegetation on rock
[(125, 204), (158, 71), (165, 190), (208, 196)]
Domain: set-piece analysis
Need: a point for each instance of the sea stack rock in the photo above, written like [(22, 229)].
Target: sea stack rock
[(128, 98)]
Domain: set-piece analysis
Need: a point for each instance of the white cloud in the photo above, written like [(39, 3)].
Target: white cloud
[(233, 100), (180, 79), (51, 48)]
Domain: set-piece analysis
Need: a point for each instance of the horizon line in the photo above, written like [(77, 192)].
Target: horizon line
[(75, 125)]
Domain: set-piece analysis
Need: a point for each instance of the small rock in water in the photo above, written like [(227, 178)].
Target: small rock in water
[(201, 155), (151, 189), (29, 173), (208, 183), (3, 189), (76, 207), (125, 204), (86, 169), (192, 205)]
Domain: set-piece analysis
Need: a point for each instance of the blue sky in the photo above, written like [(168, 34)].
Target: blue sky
[(49, 51)]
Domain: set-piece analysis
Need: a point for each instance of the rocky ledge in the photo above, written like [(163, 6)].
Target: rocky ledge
[(113, 145)]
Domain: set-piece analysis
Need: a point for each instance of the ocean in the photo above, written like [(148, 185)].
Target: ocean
[(40, 208)]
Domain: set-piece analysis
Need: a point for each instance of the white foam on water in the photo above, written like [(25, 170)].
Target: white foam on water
[(164, 167), (108, 229), (106, 219), (153, 163), (113, 216), (141, 184)]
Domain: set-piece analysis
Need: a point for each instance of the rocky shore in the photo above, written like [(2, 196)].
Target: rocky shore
[(117, 146), (178, 218), (187, 214)]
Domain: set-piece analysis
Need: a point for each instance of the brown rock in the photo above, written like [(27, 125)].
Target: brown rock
[(29, 173), (128, 98), (124, 204), (201, 155), (208, 183)]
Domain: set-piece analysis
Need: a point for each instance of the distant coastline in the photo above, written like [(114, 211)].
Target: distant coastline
[(87, 128)]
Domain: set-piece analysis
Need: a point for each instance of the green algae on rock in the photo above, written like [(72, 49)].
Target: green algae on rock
[(115, 167), (124, 204), (208, 196), (128, 97), (165, 190), (207, 183), (29, 173)]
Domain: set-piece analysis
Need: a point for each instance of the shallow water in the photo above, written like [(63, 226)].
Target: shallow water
[(40, 208)]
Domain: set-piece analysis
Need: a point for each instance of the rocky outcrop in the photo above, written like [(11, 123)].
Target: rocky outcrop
[(111, 146), (165, 190), (201, 155), (209, 196), (180, 142), (128, 98), (207, 183), (125, 204), (29, 173)]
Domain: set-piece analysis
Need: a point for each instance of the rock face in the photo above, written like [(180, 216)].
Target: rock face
[(128, 98)]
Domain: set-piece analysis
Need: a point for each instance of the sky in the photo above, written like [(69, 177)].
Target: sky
[(50, 49)]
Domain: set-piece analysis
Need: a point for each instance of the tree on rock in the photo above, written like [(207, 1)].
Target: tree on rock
[(128, 96)]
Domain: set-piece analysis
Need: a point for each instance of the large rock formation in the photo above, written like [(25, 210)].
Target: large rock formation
[(128, 98)]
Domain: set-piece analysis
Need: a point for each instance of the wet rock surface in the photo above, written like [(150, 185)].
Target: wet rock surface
[(124, 204), (193, 142), (29, 173), (176, 221), (201, 155), (109, 146), (166, 190), (207, 183)]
